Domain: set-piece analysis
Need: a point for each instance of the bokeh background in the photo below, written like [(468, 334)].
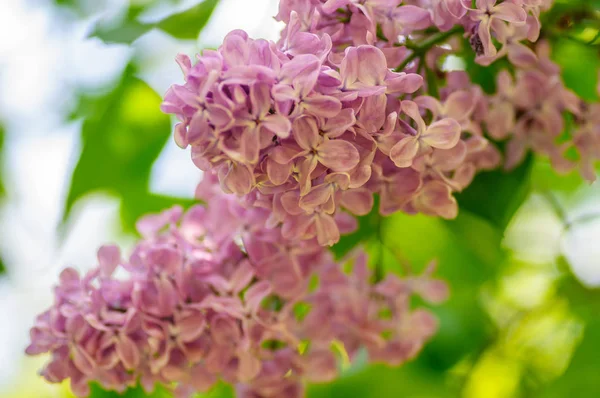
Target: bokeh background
[(85, 151)]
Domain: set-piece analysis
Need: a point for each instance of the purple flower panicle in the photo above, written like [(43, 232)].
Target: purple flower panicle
[(213, 294)]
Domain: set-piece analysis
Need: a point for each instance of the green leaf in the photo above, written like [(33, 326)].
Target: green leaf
[(579, 64), (188, 24), (183, 25), (125, 33), (121, 141), (497, 195)]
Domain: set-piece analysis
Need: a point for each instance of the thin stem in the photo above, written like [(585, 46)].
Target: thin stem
[(422, 48)]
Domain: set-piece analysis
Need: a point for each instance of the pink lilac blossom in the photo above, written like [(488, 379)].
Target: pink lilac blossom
[(212, 294), (305, 132), (310, 133), (529, 111), (392, 25), (311, 127)]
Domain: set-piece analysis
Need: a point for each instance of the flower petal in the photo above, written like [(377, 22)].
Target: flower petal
[(509, 12), (306, 132), (248, 365), (322, 105), (327, 231), (521, 56), (277, 124), (412, 17), (459, 105), (291, 203), (372, 113), (250, 146), (256, 294), (302, 73), (482, 4), (405, 150), (278, 173), (411, 109), (363, 64), (431, 104), (332, 5), (320, 366), (358, 201), (201, 379), (260, 99), (236, 178), (340, 123), (486, 38), (449, 159), (235, 48), (402, 187), (443, 134), (284, 154), (317, 196), (338, 155), (127, 352), (108, 259), (180, 135), (436, 198), (241, 277), (305, 170)]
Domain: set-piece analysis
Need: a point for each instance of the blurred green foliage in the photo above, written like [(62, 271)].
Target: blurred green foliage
[(476, 354), (183, 25), (221, 390), (123, 134), (581, 379), (497, 195), (571, 55)]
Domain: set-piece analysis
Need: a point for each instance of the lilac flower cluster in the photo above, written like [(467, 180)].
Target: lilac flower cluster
[(535, 111), (212, 294), (295, 138), (394, 25), (305, 131)]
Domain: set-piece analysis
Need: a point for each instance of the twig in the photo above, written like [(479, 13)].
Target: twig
[(425, 46)]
